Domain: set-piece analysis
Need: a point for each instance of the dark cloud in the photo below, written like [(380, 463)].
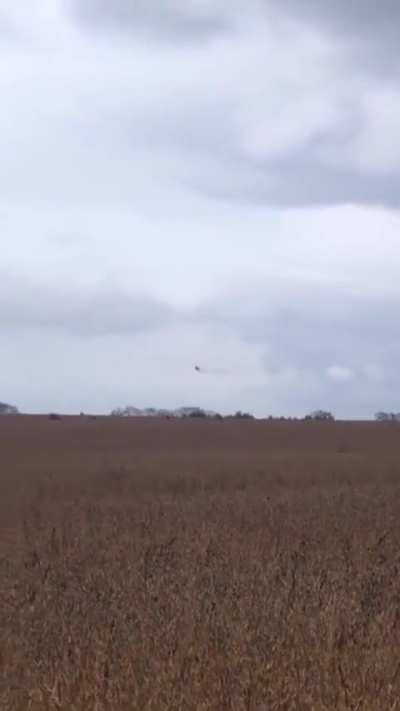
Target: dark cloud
[(358, 20), (336, 116), (307, 182), (302, 180), (357, 17), (371, 27), (174, 19), (100, 310)]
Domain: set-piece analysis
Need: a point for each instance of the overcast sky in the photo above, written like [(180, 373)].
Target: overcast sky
[(200, 181)]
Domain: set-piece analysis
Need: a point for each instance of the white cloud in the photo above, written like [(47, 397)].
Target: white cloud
[(339, 373)]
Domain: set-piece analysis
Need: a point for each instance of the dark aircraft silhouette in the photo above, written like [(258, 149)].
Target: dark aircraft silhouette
[(196, 367)]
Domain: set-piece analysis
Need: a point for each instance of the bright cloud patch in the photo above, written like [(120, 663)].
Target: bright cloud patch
[(339, 374)]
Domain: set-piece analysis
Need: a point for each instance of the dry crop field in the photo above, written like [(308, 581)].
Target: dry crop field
[(195, 565)]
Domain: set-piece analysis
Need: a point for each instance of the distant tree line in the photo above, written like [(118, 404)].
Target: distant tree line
[(387, 416), (320, 415), (239, 415), (6, 409), (200, 413)]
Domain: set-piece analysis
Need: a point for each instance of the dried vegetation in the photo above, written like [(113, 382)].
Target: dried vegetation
[(241, 566)]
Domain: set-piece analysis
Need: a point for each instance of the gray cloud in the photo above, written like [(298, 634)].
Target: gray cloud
[(316, 127), (314, 328), (282, 348), (194, 19), (150, 153), (368, 19), (368, 32), (301, 180), (357, 22), (86, 311), (319, 346)]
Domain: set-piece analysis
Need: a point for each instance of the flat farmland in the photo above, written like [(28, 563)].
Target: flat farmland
[(161, 564)]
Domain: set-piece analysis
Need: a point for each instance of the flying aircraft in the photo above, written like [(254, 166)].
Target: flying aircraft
[(196, 367)]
